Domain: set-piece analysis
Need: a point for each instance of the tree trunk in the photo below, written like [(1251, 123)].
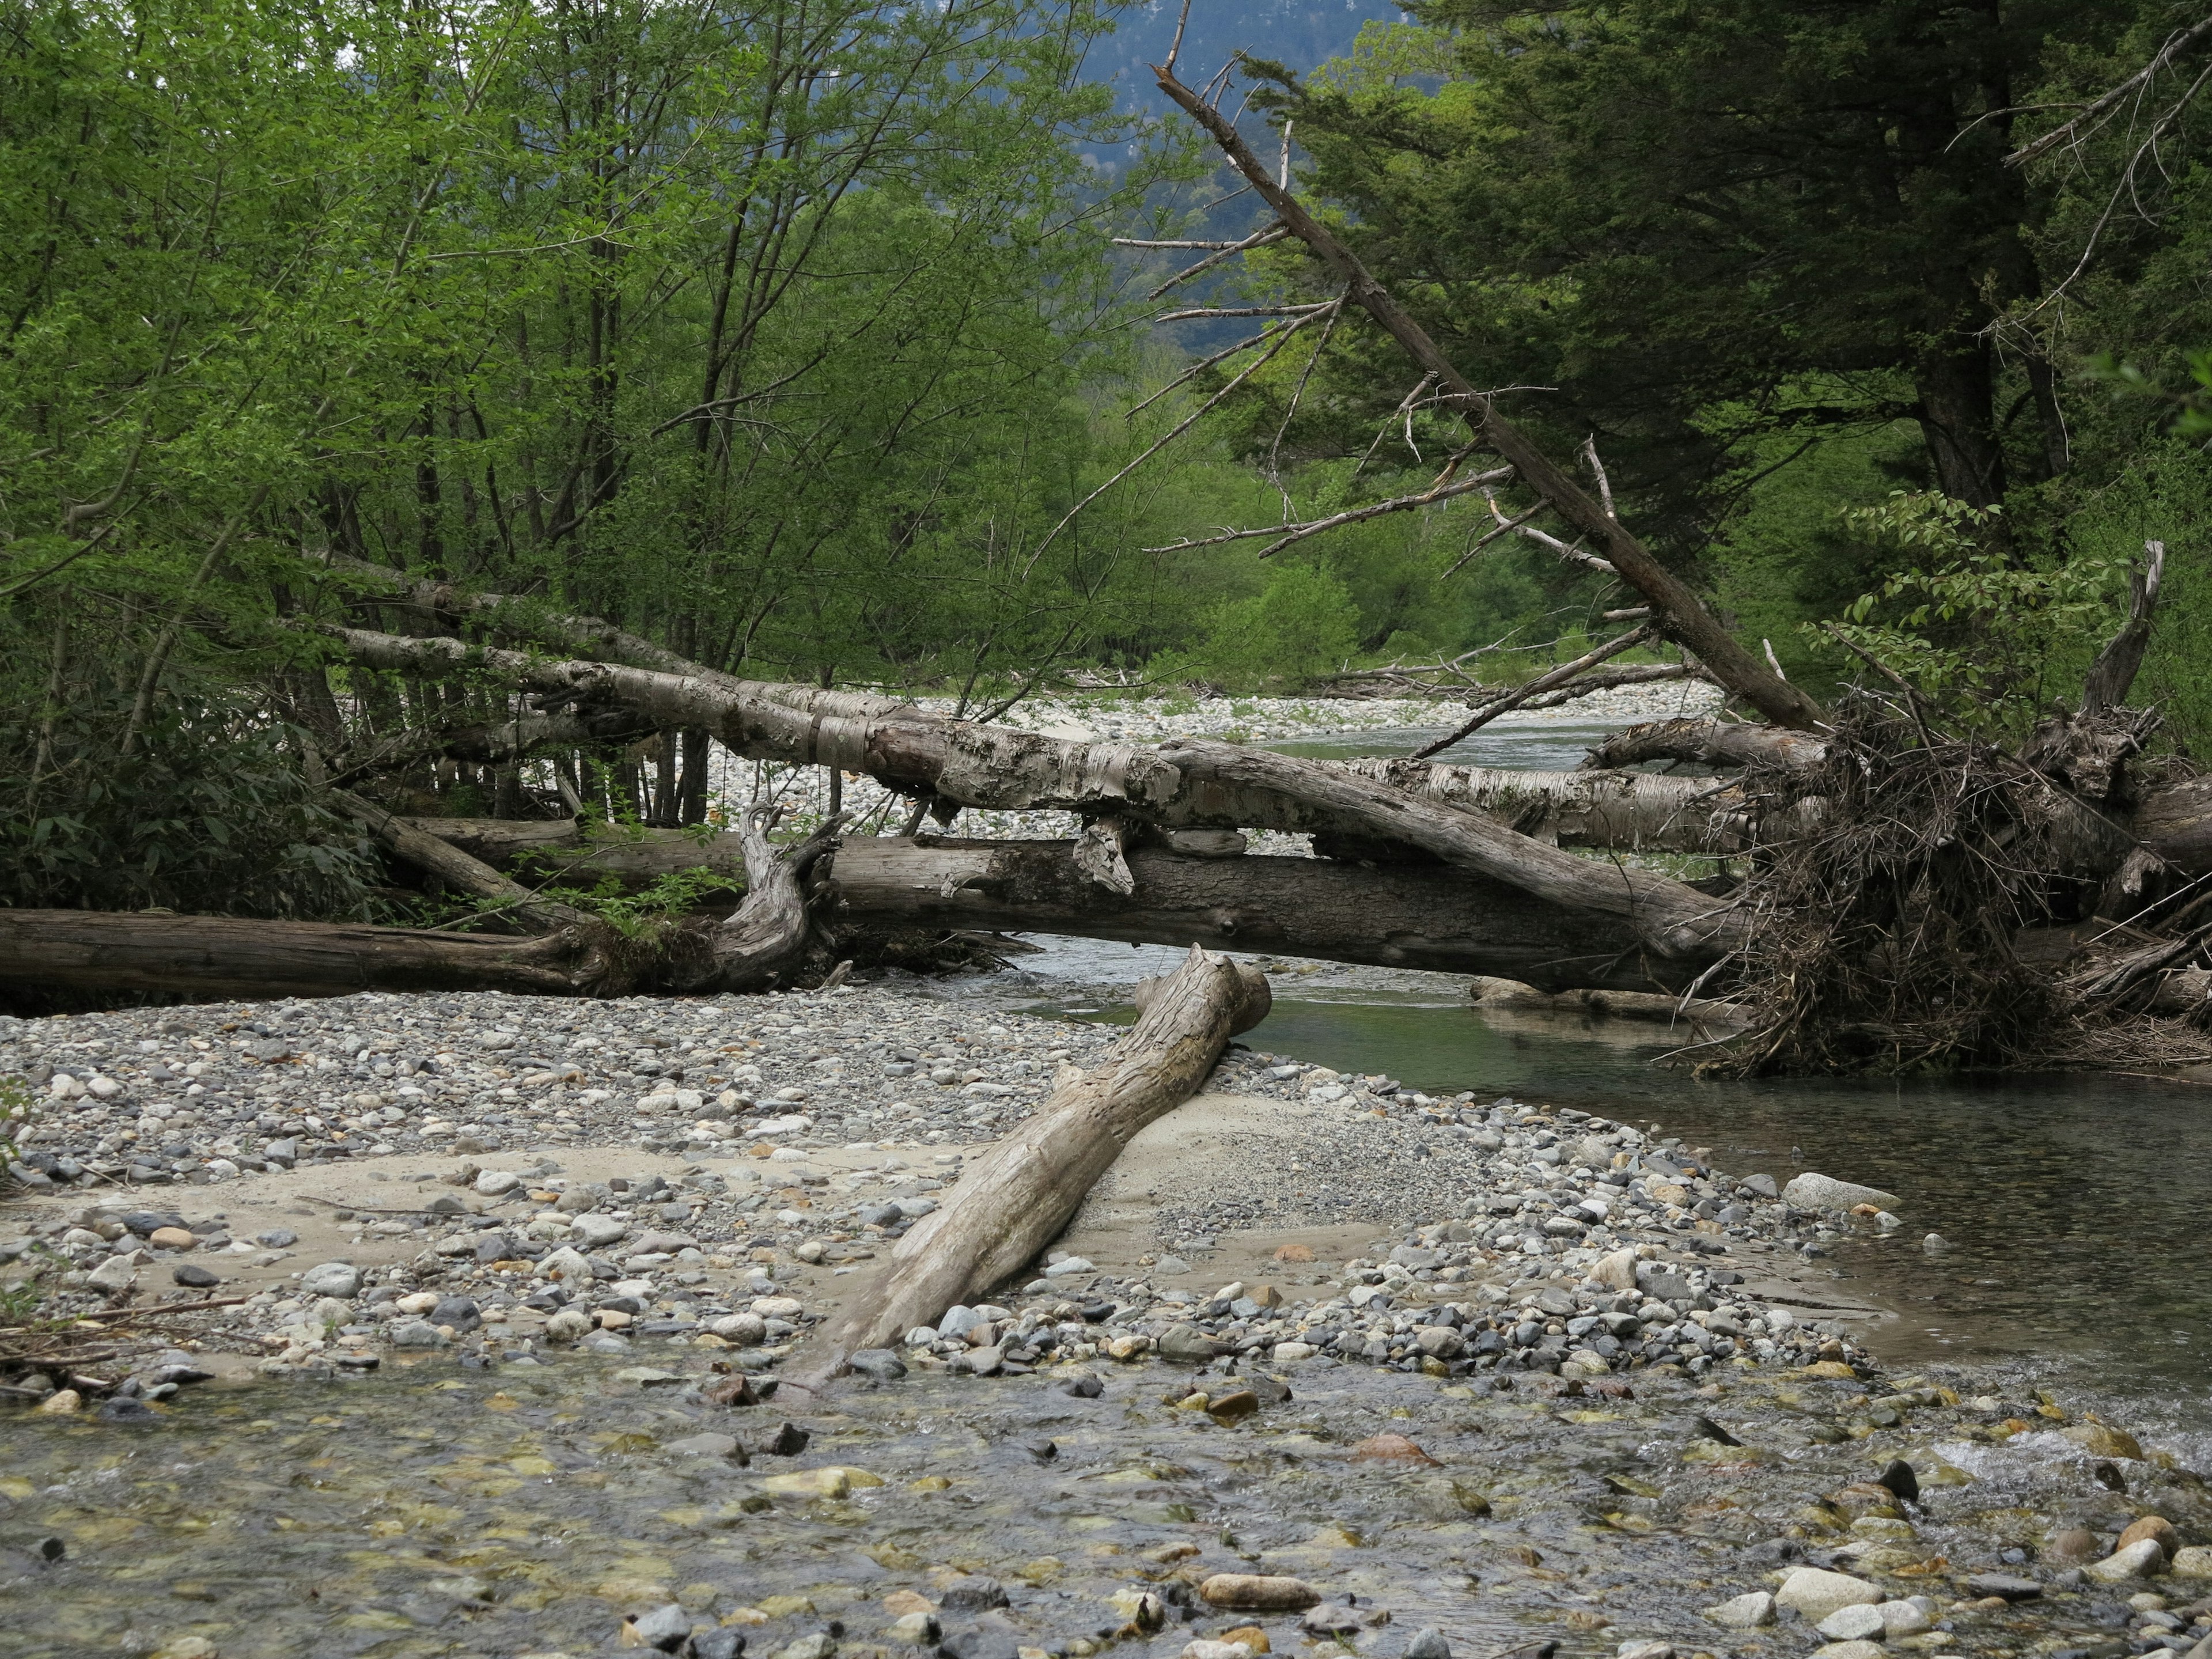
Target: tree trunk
[(212, 958), (1017, 1197), (1423, 916)]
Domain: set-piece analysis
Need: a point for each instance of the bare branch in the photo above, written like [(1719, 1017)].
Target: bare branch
[(1258, 239), (1247, 311), (1298, 533), (2098, 109), (1597, 468), (1544, 682), (1182, 426)]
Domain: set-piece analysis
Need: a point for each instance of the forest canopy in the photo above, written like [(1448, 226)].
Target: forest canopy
[(808, 341)]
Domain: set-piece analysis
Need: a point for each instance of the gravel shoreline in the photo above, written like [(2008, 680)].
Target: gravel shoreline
[(768, 1139), (655, 1200)]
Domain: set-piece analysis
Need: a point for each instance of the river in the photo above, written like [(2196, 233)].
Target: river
[(2073, 1208)]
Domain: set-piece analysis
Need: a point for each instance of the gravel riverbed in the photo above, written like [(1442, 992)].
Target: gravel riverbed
[(510, 1283)]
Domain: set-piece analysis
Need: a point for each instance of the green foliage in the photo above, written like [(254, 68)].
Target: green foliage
[(642, 912), (210, 813), (1301, 625), (1990, 638)]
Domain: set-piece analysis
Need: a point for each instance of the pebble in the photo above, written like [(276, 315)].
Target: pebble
[(1257, 1593)]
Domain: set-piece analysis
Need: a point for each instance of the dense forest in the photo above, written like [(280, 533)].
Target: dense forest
[(854, 346)]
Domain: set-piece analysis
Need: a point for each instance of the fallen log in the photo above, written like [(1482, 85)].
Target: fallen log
[(1708, 742), (214, 958), (1423, 916), (1015, 1198), (967, 763), (1392, 915)]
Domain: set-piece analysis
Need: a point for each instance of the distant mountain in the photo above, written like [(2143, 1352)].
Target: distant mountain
[(1298, 33)]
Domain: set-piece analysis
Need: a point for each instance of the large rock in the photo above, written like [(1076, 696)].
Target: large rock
[(1816, 1593), (114, 1275), (2138, 1560), (339, 1279), (1820, 1191), (571, 1265), (592, 1231), (2193, 1561), (1859, 1622), (1185, 1344), (1617, 1271), (1747, 1612)]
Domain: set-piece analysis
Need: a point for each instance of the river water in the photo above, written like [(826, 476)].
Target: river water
[(2073, 1209)]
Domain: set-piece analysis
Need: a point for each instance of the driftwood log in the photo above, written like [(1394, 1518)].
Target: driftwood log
[(1019, 1196)]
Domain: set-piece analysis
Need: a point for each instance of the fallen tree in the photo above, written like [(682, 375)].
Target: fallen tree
[(1016, 1198)]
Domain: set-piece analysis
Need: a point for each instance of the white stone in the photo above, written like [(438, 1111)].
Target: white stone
[(1816, 1593), (2139, 1560), (1066, 1265), (116, 1273), (778, 1307), (493, 1183), (1859, 1622), (341, 1279), (1904, 1619), (1820, 1191), (1747, 1612), (592, 1231), (566, 1262)]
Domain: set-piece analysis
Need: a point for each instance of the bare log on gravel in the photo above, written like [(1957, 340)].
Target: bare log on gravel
[(1396, 915), (1015, 1198), (211, 958)]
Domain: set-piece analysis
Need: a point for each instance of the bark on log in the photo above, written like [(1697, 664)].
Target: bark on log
[(1708, 742), (995, 767), (1017, 1197), (212, 958), (1423, 916), (1671, 918)]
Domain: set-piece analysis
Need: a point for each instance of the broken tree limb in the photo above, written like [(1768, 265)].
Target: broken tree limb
[(1550, 679), (1681, 617), (1708, 742), (1618, 1004), (767, 935), (458, 869), (1017, 1198)]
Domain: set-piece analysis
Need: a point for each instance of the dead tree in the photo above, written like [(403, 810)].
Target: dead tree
[(1015, 1198)]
